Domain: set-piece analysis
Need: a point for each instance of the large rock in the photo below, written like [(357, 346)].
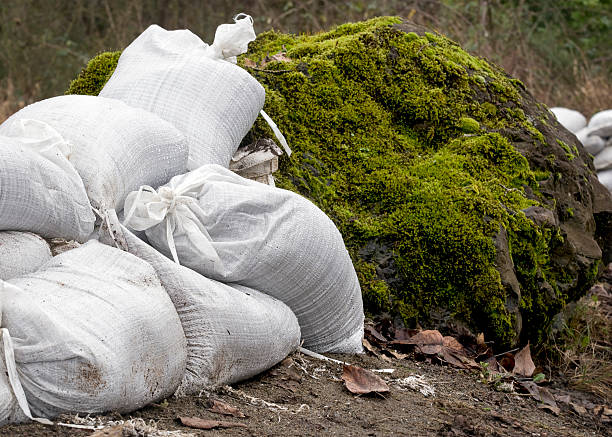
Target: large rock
[(460, 198)]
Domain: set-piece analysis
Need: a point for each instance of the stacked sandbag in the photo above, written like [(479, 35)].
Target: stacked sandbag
[(233, 332), (114, 148), (597, 139), (40, 191), (570, 119), (21, 253), (236, 230), (196, 87), (92, 331)]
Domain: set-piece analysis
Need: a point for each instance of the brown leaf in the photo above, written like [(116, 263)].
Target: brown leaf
[(198, 423), (394, 354), (368, 346), (532, 388), (523, 364), (362, 381), (280, 57), (249, 63), (220, 407), (507, 362), (374, 335), (543, 395), (452, 343), (578, 408), (480, 341), (428, 342), (457, 359), (555, 410)]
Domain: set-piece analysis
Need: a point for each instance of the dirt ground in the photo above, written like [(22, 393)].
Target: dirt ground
[(304, 396)]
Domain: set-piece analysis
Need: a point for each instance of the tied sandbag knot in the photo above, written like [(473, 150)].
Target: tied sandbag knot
[(232, 40), (178, 208)]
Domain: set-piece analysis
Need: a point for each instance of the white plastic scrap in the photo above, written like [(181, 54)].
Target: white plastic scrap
[(414, 382)]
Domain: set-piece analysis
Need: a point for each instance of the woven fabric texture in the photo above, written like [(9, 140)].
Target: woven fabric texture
[(21, 253), (233, 332), (273, 240), (93, 331), (114, 148), (212, 101), (38, 194)]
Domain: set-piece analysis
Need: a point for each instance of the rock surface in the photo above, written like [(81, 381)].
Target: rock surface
[(460, 198)]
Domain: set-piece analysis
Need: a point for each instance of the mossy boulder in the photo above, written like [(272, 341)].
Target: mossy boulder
[(460, 198)]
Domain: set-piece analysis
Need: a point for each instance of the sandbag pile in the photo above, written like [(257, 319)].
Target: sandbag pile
[(222, 276), (595, 136)]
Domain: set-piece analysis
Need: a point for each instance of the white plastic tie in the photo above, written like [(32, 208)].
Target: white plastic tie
[(11, 368), (279, 135), (177, 206), (232, 40)]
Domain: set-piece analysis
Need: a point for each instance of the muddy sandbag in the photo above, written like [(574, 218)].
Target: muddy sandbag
[(233, 332), (114, 148), (603, 160), (196, 87), (21, 253), (40, 191), (237, 230), (92, 331)]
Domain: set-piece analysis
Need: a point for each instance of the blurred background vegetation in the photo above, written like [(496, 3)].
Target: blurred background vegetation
[(562, 50)]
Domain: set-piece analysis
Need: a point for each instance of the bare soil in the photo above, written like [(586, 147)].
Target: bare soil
[(307, 397)]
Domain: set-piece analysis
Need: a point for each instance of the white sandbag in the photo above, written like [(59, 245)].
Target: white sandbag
[(263, 237), (40, 191), (570, 119), (233, 332), (21, 253), (114, 148), (592, 143), (600, 119), (603, 160), (605, 177), (194, 86), (92, 331)]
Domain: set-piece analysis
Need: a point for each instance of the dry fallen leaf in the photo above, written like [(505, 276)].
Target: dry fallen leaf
[(374, 335), (220, 407), (523, 364), (362, 381), (578, 408), (198, 423), (480, 341), (249, 63), (368, 346), (452, 343), (428, 342)]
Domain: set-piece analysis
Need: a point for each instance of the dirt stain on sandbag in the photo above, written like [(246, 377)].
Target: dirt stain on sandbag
[(90, 379)]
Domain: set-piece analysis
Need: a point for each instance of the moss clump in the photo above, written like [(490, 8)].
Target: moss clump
[(469, 125), (93, 77), (377, 115)]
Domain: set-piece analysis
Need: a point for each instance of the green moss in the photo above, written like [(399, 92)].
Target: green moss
[(469, 125), (568, 151), (377, 119), (95, 75)]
